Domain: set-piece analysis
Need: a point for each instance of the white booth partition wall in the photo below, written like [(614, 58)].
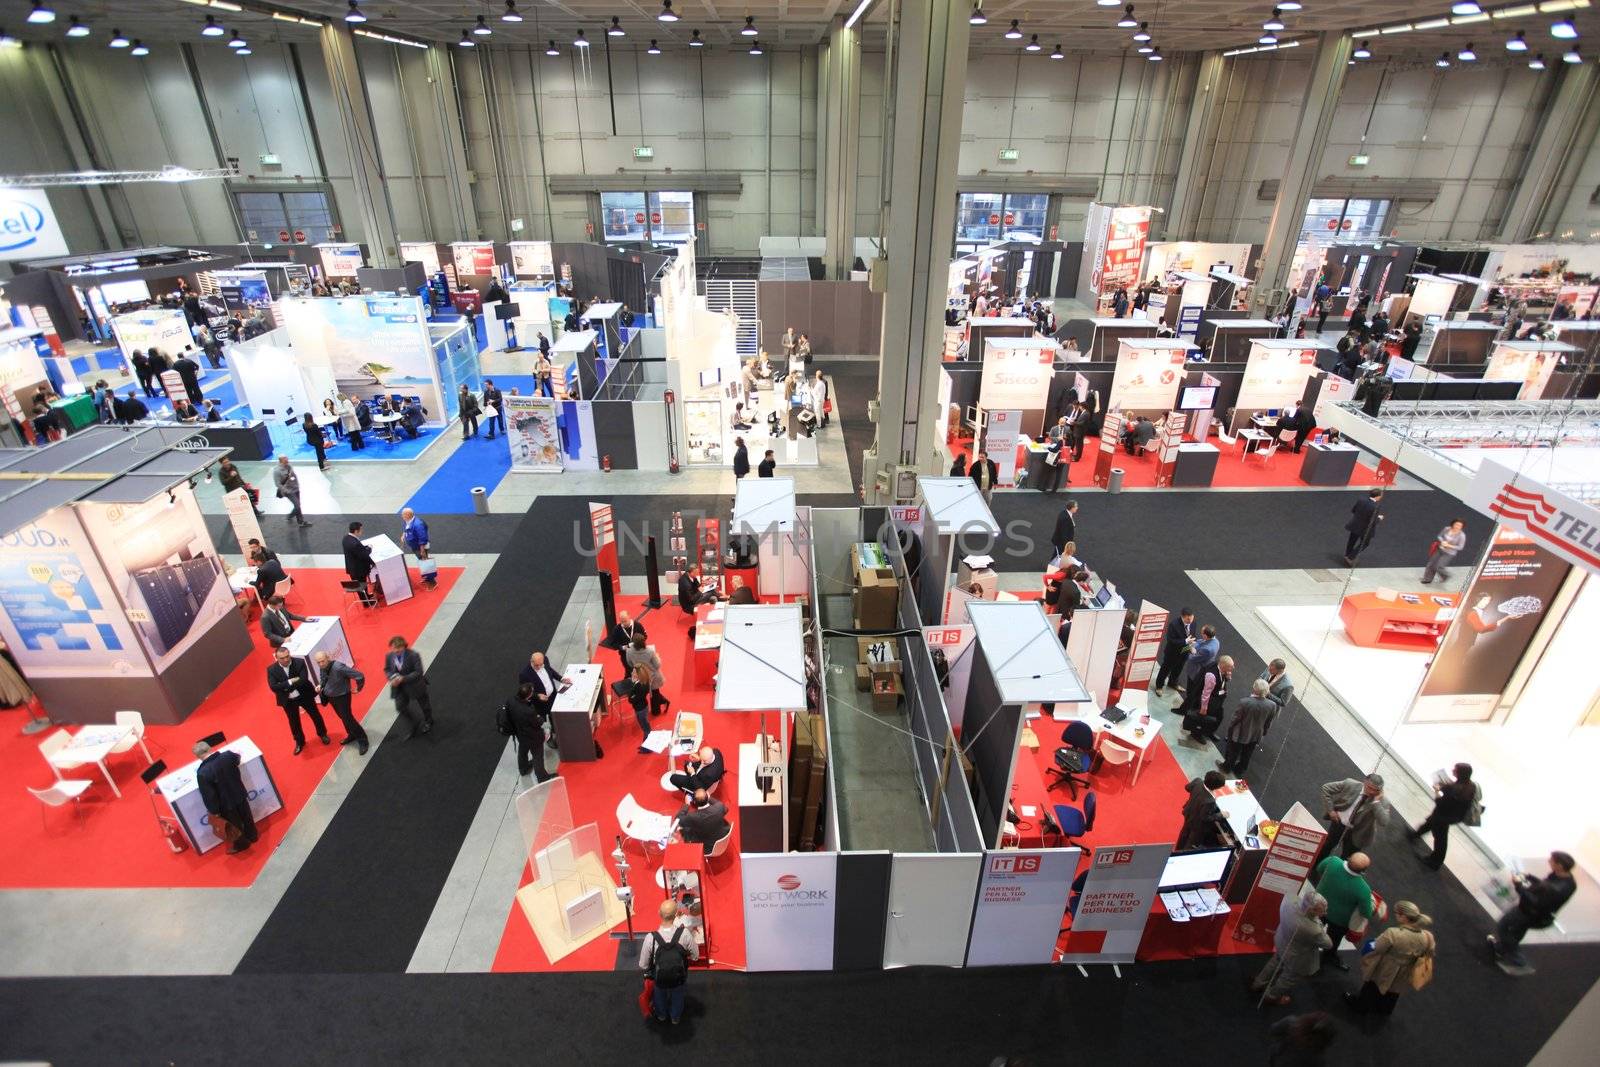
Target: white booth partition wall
[(765, 509), (1275, 377), (1016, 377), (269, 379), (931, 897), (369, 346), (1148, 376), (1022, 896), (426, 253), (164, 328), (790, 902), (952, 521), (703, 370)]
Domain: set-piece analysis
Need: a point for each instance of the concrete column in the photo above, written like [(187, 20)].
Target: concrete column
[(931, 74), (1328, 67), (1555, 153), (1194, 165), (361, 145), (841, 132)]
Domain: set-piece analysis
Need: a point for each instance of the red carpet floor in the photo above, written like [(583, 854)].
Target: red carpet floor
[(1282, 471), (595, 788), (117, 845)]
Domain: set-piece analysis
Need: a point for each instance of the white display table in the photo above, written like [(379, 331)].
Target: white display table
[(573, 713), (389, 569), (182, 793), (320, 633)]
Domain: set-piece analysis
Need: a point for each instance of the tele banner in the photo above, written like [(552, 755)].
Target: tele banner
[(1021, 898), (1553, 520), (789, 901)]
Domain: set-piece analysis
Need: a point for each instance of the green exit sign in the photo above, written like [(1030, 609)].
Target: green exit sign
[(644, 151), (1009, 155), (1359, 160)]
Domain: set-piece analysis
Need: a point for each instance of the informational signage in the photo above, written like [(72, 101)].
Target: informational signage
[(1149, 633), (1114, 244), (532, 259), (1115, 903), (163, 328), (424, 252), (1289, 860), (789, 909), (1167, 454), (1147, 378), (20, 367), (1108, 446), (532, 433), (473, 257), (1022, 895), (955, 643), (603, 530), (340, 260), (368, 344), (1500, 613), (242, 517), (1554, 520), (1016, 376), (1275, 376), (1528, 365), (1189, 321), (28, 227), (172, 385), (1000, 432)]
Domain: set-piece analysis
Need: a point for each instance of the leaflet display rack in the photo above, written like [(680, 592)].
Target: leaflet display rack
[(708, 538)]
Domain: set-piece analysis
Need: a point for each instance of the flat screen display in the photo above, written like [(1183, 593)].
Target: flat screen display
[(1198, 398), (1188, 869)]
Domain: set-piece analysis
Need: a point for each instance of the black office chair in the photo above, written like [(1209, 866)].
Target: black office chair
[(1075, 760)]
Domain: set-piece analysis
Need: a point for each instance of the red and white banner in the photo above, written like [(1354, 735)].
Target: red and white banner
[(1293, 853), (1110, 427), (956, 643), (1114, 246), (1021, 898), (1115, 904), (1554, 520), (1149, 633), (473, 257), (602, 527)]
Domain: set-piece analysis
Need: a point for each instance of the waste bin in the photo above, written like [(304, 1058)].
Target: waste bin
[(480, 499), (1114, 483)]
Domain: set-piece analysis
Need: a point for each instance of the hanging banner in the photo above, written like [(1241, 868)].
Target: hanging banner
[(28, 227), (424, 252), (1147, 377), (473, 257), (532, 432), (1114, 243), (1021, 898), (602, 528), (1275, 376), (1017, 376), (532, 259), (1499, 615), (1115, 903), (1295, 844), (1149, 634), (242, 517), (1554, 520), (340, 260), (1528, 362), (789, 901)]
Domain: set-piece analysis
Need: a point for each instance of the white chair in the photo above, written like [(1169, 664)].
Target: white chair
[(639, 824), (1223, 435), (284, 588), (1116, 755), (54, 744), (134, 721), (65, 789), (720, 845), (1267, 453)]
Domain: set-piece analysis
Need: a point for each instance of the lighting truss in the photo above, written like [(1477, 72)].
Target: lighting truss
[(112, 177), (1469, 423)]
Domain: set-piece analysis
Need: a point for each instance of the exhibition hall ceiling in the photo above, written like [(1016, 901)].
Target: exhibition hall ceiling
[(1077, 26)]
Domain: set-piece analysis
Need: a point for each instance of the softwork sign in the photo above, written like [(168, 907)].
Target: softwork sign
[(28, 228)]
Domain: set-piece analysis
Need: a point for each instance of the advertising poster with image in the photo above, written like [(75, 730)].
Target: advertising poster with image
[(474, 257), (1530, 366), (159, 557), (60, 618), (424, 252), (532, 259), (1500, 612), (369, 344), (162, 328), (1275, 377), (1146, 379), (1115, 903), (1114, 247), (532, 433), (340, 260)]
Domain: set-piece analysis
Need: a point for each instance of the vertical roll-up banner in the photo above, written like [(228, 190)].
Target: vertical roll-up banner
[(789, 901), (602, 525), (1021, 898), (1149, 633), (1115, 903), (242, 517)]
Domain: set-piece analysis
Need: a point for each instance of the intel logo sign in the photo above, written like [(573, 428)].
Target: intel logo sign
[(20, 224)]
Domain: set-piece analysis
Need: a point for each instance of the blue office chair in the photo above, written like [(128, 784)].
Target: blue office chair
[(1073, 822), (1074, 761)]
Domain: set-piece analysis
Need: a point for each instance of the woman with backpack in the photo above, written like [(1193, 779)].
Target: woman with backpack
[(664, 958), (1457, 801), (1401, 958)]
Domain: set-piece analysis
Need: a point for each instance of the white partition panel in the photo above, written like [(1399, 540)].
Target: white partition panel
[(789, 901), (930, 908), (1020, 906)]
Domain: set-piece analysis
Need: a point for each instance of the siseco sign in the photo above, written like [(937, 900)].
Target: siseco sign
[(28, 227)]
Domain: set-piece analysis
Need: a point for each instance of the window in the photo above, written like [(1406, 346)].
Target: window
[(987, 218), (655, 217), (271, 213), (1331, 221)]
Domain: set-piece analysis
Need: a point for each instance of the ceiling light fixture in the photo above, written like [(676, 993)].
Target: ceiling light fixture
[(1537, 62), (616, 29), (1561, 28), (512, 14), (117, 40), (211, 29), (1273, 22), (1267, 38), (1015, 32), (855, 16), (1362, 52), (41, 14), (667, 14), (1289, 5), (1466, 7), (1155, 57), (1519, 43), (1105, 3), (76, 28), (654, 49), (749, 27), (1058, 53), (482, 28), (1146, 48), (978, 18), (1032, 45), (755, 48), (236, 41), (1143, 33), (551, 49), (1127, 21), (1443, 60), (1467, 55), (354, 14), (245, 51), (695, 41), (138, 48), (8, 41), (580, 41), (1572, 56), (466, 41)]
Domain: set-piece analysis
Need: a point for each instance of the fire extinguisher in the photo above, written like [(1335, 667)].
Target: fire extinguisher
[(605, 462), (672, 436)]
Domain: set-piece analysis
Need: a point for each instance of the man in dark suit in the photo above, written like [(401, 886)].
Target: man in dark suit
[(290, 679), (493, 400), (358, 561), (690, 592), (223, 793), (189, 371), (620, 636), (703, 821), (158, 366), (1066, 527), (701, 773), (741, 458), (336, 679), (1297, 420), (408, 681), (984, 473), (1365, 515), (1175, 646), (767, 466), (277, 621), (269, 572), (129, 409), (527, 717)]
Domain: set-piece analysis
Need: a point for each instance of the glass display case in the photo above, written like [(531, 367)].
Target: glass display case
[(702, 423)]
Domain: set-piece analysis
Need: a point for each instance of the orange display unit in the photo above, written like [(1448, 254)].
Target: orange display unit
[(1375, 622)]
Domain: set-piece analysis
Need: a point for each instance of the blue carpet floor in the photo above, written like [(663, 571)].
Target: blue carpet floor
[(293, 444), (448, 490)]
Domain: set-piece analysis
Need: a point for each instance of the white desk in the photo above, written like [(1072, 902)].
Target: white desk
[(182, 793), (1253, 439), (1243, 811), (320, 633), (688, 730), (1133, 732), (389, 568), (573, 713), (92, 744)]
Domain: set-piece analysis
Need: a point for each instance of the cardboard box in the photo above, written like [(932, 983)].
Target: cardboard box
[(877, 650), (875, 600), (886, 692), (865, 672)]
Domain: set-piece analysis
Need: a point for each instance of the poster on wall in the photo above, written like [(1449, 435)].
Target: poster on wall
[(1000, 430), (1500, 613), (1021, 898), (340, 260), (159, 557), (789, 903), (1525, 362), (1114, 245), (28, 227), (532, 433), (163, 328), (954, 643), (424, 252), (473, 257), (369, 344), (20, 366), (1017, 376), (1115, 903), (61, 618), (1275, 376), (532, 259), (1147, 378), (1149, 634)]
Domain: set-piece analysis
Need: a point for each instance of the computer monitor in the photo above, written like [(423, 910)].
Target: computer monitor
[(1190, 870), (505, 310), (1103, 597), (1198, 398)]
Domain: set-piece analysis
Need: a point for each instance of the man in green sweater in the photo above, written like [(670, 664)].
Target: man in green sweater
[(1348, 895)]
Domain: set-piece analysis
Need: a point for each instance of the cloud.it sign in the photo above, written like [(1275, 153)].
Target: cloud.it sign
[(28, 228)]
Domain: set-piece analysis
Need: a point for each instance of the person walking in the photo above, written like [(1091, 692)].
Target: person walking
[(1365, 515), (1453, 802), (290, 680), (642, 655), (141, 370), (1066, 529), (223, 793), (414, 539), (1298, 944), (467, 404), (314, 438), (1349, 896), (158, 367), (494, 410), (1394, 962), (1250, 723), (664, 958), (335, 690), (984, 473), (741, 458), (527, 717), (544, 371), (1538, 900), (408, 683), (1355, 812), (288, 487), (767, 466), (1447, 543), (639, 693)]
